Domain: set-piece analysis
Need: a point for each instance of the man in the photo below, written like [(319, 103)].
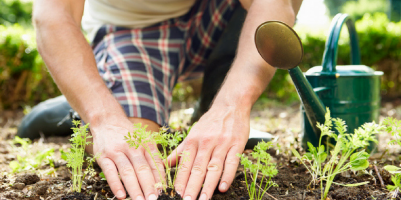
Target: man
[(140, 49)]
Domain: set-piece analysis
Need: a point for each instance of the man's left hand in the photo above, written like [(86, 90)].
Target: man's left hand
[(212, 145)]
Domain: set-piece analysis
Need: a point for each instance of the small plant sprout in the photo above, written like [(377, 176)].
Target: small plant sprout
[(143, 138), (393, 126), (167, 141), (75, 158), (264, 166), (347, 154), (395, 178), (28, 160)]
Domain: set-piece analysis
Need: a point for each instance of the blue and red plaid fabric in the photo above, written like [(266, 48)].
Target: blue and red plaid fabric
[(141, 66)]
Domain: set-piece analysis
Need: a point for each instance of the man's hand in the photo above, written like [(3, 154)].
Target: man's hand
[(223, 131), (212, 145), (135, 166)]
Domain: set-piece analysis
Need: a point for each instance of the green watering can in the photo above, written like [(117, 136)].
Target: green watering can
[(351, 92)]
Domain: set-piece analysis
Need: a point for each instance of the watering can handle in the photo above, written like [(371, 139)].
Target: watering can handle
[(330, 52)]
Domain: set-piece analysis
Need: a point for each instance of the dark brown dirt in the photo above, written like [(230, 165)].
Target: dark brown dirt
[(293, 178), (170, 194)]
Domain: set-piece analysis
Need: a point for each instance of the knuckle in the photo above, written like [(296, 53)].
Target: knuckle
[(205, 141), (232, 161), (225, 137), (143, 168), (197, 170), (127, 171), (184, 168), (158, 164), (191, 144), (213, 167)]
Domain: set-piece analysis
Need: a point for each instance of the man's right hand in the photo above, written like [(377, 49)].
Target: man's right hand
[(135, 166)]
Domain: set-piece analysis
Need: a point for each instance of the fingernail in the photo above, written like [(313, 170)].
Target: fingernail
[(187, 198), (203, 197), (120, 194), (139, 198), (152, 197), (223, 186)]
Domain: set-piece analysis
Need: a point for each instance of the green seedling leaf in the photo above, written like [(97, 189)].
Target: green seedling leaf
[(15, 166), (308, 156), (63, 155), (322, 156), (392, 169), (352, 185), (102, 176), (391, 187), (359, 161)]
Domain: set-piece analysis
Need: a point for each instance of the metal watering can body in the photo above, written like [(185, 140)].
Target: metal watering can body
[(351, 92)]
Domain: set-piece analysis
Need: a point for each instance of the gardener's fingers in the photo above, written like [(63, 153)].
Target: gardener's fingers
[(110, 171), (230, 167), (173, 158), (128, 176), (144, 173), (156, 166), (198, 171), (185, 166), (214, 170)]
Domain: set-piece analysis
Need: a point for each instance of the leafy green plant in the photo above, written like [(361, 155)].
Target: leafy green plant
[(143, 138), (75, 158), (347, 154), (263, 165), (28, 160), (393, 126)]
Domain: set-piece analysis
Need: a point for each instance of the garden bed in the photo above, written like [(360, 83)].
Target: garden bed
[(292, 178)]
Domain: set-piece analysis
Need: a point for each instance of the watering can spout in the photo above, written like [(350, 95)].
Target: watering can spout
[(280, 46)]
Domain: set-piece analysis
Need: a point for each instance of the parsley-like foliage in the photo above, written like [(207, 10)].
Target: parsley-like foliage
[(347, 154), (143, 138), (393, 126), (75, 158), (263, 165)]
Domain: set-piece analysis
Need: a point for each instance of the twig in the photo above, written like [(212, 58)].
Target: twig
[(381, 157), (95, 196), (270, 195), (378, 174)]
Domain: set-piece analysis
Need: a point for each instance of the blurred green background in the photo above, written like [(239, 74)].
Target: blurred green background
[(25, 81)]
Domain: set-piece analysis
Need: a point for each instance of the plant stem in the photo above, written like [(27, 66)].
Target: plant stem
[(154, 161)]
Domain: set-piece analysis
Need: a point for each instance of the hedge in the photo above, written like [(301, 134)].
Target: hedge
[(24, 79)]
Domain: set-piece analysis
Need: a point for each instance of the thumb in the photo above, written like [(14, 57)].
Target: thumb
[(174, 157)]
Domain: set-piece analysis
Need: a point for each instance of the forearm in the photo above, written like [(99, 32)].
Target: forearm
[(250, 74), (72, 65)]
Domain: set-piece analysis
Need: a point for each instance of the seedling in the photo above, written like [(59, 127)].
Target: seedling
[(393, 126), (167, 141), (75, 158), (395, 178), (263, 165), (28, 160), (348, 153)]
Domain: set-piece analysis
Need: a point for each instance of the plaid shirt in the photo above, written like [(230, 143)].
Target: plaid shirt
[(141, 66)]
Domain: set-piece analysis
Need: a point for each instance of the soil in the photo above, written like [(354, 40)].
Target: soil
[(51, 183)]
